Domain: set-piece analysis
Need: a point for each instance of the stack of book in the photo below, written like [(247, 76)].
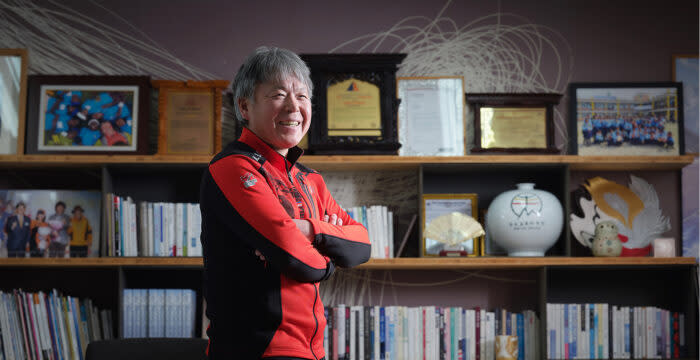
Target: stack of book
[(379, 222), (603, 331), (158, 313), (151, 229), (49, 325), (425, 332)]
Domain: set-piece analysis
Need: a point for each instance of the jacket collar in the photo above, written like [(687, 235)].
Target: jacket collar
[(280, 162)]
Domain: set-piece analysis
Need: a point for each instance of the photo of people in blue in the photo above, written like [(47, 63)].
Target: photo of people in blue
[(88, 118), (627, 121), (49, 223)]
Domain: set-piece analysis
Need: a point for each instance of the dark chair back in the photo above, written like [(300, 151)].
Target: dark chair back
[(148, 349)]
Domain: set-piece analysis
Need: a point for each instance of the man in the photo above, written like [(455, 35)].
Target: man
[(81, 234), (270, 229), (18, 229)]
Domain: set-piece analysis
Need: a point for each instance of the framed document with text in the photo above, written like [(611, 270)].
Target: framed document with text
[(189, 116), (513, 123), (431, 116), (354, 103)]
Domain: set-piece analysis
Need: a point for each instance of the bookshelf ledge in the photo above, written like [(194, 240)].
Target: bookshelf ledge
[(373, 264)]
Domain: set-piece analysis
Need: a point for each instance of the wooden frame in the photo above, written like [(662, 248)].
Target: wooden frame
[(519, 108), (61, 107), (197, 101), (20, 93), (422, 107), (443, 204), (606, 119)]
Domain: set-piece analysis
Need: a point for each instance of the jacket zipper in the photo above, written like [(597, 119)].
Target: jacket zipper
[(313, 310)]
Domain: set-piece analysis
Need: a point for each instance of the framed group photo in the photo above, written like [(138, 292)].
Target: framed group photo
[(87, 114), (436, 205), (626, 119), (50, 223)]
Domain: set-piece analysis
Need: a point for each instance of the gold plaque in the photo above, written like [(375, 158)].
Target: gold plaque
[(189, 116), (354, 109), (513, 127)]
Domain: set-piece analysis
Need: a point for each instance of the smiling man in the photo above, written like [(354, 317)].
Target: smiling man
[(271, 231)]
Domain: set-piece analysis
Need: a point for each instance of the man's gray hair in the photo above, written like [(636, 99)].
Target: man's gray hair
[(267, 64)]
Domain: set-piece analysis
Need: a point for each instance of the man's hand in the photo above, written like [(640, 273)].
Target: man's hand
[(306, 229)]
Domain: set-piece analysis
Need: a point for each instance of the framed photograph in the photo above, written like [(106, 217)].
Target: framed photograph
[(189, 116), (626, 119), (435, 205), (513, 123), (13, 93), (431, 116), (88, 114), (50, 223), (685, 71)]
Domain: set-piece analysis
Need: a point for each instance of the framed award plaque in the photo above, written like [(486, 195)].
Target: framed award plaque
[(189, 116), (354, 103), (513, 123)]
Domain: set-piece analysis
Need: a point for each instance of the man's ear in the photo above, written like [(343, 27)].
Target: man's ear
[(243, 107)]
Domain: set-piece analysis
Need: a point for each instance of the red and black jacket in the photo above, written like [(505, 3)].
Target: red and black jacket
[(248, 198)]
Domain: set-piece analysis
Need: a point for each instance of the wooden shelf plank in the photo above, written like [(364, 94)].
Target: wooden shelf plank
[(369, 162), (373, 264)]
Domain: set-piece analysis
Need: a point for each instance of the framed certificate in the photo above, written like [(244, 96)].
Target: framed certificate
[(354, 103), (435, 205), (189, 116), (431, 116), (513, 123)]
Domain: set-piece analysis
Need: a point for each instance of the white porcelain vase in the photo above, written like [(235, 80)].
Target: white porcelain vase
[(525, 221)]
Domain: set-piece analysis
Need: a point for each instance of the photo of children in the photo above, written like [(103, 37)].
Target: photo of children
[(49, 223), (88, 118), (627, 121)]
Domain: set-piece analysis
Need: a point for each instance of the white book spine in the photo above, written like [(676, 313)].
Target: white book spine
[(177, 227)]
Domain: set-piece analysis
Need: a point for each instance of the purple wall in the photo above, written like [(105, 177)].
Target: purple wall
[(610, 40)]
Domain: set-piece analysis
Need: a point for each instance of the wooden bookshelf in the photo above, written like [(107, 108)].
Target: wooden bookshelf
[(374, 264), (368, 162)]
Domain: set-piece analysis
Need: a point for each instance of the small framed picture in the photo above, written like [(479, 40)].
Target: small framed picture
[(431, 116), (13, 91), (435, 205), (88, 114), (626, 119)]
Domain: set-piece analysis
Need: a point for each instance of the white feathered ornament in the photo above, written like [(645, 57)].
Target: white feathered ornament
[(635, 211)]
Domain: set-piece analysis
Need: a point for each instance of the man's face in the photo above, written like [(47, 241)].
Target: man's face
[(78, 214), (20, 209), (280, 113), (60, 209)]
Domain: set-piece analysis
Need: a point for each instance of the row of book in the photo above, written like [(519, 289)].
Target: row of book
[(157, 313), (603, 331), (151, 229), (49, 325), (379, 222), (425, 332)]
